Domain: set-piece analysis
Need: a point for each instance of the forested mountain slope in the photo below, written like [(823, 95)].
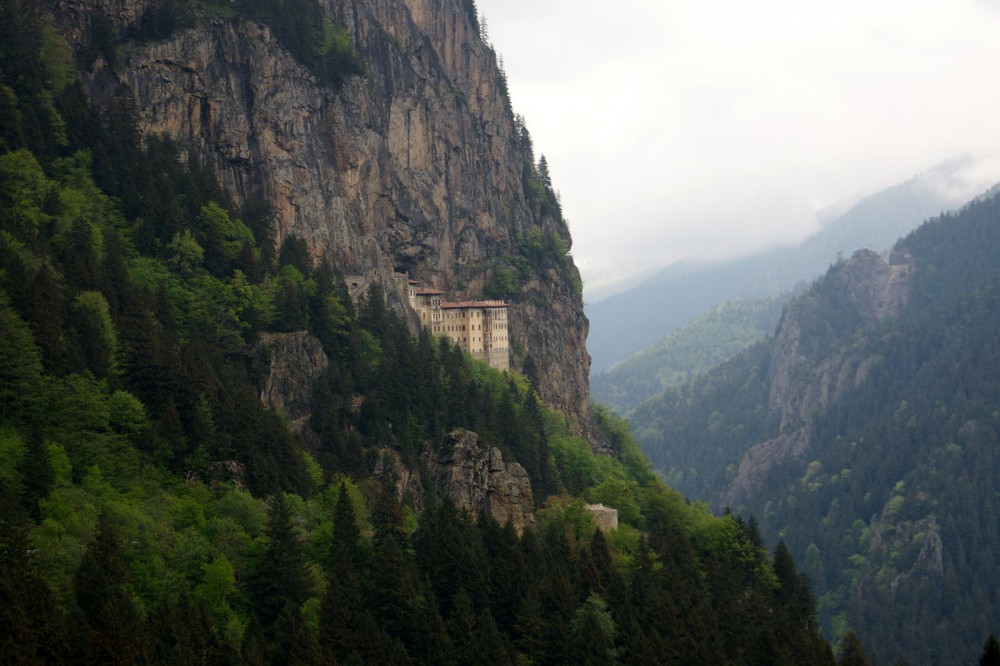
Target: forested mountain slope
[(210, 453), (626, 323), (380, 134), (699, 345), (865, 435)]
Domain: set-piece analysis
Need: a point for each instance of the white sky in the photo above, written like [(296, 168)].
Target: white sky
[(705, 129)]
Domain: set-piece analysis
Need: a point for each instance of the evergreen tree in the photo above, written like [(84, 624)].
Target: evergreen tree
[(850, 652), (282, 577), (594, 633), (393, 589), (32, 628), (116, 629), (36, 474), (346, 626), (991, 652)]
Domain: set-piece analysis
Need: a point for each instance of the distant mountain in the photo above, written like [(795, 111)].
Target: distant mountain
[(635, 319), (864, 433), (716, 336)]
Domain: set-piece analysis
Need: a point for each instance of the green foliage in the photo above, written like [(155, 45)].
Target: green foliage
[(893, 496), (135, 451), (538, 252), (695, 348), (313, 39), (11, 454), (24, 190), (693, 432), (163, 18), (594, 633)]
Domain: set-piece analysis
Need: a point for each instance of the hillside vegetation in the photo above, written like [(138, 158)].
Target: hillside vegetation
[(699, 345), (153, 509), (878, 463)]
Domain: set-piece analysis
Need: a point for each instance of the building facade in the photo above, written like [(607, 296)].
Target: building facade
[(477, 327)]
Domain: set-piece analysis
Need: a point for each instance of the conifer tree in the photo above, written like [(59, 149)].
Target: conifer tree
[(116, 629), (346, 626), (851, 653), (282, 577), (36, 474), (991, 652), (392, 591), (32, 629)]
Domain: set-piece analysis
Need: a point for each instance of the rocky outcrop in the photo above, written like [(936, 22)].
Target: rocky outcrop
[(477, 479), (289, 365), (864, 289), (758, 461), (389, 467), (417, 166)]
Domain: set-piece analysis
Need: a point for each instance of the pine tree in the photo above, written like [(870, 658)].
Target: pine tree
[(116, 627), (282, 577), (36, 474), (851, 653), (346, 626), (32, 628), (991, 652)]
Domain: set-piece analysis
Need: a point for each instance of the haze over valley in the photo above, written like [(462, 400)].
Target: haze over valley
[(294, 356)]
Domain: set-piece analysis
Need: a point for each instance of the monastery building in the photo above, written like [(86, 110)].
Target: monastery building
[(477, 327)]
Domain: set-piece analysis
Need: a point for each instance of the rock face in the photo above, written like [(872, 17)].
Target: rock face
[(865, 288), (418, 166), (290, 364), (477, 479)]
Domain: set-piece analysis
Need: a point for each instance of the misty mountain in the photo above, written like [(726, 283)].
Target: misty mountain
[(713, 338), (628, 322), (864, 433), (215, 450)]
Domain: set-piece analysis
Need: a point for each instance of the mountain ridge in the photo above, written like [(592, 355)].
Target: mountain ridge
[(625, 323), (862, 434)]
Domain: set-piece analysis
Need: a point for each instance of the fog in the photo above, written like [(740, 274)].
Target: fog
[(712, 129)]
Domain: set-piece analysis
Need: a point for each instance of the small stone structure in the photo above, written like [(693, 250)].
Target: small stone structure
[(606, 518)]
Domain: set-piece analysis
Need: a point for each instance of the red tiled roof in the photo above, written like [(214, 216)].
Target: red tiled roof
[(424, 291), (475, 304)]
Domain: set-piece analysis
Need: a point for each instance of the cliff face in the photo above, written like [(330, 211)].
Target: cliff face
[(477, 479), (416, 166), (290, 364), (865, 288)]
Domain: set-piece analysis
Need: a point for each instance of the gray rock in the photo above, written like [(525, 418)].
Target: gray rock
[(477, 479), (417, 166), (290, 364)]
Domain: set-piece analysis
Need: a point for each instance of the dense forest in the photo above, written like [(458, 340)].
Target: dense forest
[(156, 510), (698, 346), (891, 507)]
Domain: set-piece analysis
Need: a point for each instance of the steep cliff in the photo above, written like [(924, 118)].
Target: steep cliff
[(289, 365), (806, 372), (478, 479), (864, 434), (416, 166)]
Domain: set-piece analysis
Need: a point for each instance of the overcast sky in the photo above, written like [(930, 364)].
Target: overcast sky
[(704, 129)]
